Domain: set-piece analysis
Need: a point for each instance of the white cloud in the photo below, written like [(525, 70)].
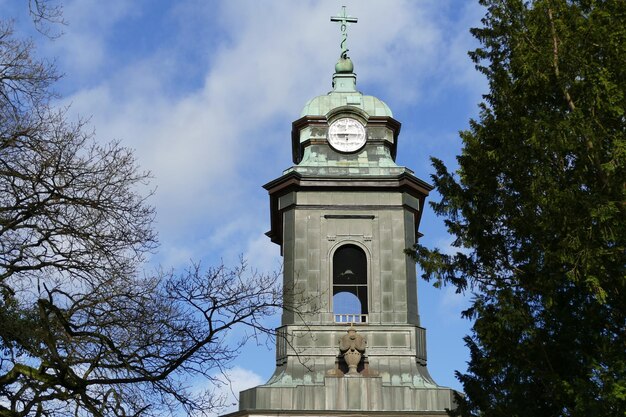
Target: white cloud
[(460, 69), (444, 244), (235, 380), (207, 146), (451, 304), (208, 106), (83, 45), (262, 254)]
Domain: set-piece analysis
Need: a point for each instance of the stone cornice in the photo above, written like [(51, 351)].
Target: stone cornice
[(294, 181)]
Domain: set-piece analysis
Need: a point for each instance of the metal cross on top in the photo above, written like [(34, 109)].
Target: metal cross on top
[(344, 19)]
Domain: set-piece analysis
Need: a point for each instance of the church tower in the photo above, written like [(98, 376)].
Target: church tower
[(350, 340)]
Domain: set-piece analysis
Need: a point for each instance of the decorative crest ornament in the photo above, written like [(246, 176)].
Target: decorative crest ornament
[(352, 346), (344, 19)]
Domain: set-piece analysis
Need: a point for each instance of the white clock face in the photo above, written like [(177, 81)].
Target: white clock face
[(346, 135)]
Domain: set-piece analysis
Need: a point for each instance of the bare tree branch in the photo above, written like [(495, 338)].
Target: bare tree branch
[(82, 331)]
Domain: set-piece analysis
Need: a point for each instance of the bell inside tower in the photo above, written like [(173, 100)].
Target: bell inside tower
[(343, 215), (350, 302)]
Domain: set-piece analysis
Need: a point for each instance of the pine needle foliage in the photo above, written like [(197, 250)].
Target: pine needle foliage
[(537, 210)]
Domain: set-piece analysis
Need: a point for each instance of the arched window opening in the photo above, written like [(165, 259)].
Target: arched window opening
[(346, 303), (350, 284)]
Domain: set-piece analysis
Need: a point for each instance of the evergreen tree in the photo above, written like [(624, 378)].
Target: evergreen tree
[(537, 210)]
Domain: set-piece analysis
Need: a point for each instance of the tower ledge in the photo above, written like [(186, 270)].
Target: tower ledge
[(343, 216)]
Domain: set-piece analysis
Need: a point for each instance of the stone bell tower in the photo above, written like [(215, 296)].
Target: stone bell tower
[(350, 339)]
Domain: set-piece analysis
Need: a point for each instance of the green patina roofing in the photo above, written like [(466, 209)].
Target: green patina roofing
[(344, 93), (321, 105)]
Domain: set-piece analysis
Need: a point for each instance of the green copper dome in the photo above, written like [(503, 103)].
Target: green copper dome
[(318, 152), (321, 105), (344, 93)]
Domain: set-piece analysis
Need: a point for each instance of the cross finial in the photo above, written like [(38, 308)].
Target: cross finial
[(344, 19)]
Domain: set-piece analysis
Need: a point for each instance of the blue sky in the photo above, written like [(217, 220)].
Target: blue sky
[(205, 92)]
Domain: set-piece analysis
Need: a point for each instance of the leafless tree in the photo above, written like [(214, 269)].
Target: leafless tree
[(47, 16), (82, 330)]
